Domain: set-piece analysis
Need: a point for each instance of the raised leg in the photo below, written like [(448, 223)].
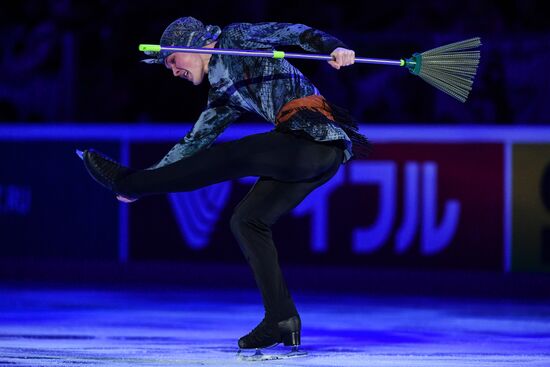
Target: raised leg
[(274, 154)]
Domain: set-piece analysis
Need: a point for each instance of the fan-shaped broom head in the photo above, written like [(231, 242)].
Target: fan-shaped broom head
[(450, 68)]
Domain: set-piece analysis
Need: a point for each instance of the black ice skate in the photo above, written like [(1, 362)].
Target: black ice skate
[(270, 333), (105, 170)]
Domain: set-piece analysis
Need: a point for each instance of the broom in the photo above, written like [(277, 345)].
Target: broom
[(450, 68)]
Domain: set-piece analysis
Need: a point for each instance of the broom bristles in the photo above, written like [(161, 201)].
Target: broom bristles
[(451, 68)]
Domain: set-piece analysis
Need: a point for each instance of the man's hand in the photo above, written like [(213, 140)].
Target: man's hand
[(125, 199), (342, 57)]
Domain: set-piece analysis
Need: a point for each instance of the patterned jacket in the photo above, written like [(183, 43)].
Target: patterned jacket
[(259, 84)]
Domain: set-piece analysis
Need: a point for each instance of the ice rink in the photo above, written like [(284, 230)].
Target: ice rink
[(132, 326)]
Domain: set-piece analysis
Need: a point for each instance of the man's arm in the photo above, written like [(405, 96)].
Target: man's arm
[(211, 123), (275, 34)]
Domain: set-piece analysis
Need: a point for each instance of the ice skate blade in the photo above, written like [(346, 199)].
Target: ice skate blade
[(259, 356), (80, 154)]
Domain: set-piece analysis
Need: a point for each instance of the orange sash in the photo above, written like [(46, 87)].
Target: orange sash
[(313, 102)]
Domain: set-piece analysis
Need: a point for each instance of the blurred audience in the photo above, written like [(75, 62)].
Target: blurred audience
[(65, 61)]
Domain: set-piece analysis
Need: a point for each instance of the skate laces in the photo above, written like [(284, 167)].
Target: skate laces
[(111, 168), (112, 171)]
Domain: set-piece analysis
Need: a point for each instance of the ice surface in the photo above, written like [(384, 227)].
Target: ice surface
[(166, 327)]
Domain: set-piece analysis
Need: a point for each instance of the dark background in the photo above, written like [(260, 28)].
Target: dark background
[(77, 61)]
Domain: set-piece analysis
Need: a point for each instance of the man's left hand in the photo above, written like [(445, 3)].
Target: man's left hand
[(342, 57)]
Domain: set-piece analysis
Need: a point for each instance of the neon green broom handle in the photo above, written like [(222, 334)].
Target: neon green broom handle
[(273, 54)]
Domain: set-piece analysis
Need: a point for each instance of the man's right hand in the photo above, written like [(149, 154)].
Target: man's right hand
[(342, 57)]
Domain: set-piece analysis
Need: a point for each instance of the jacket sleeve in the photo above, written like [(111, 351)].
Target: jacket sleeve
[(211, 123), (266, 34)]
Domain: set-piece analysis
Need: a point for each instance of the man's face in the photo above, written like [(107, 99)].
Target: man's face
[(186, 65)]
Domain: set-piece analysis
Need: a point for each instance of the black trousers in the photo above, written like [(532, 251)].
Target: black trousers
[(289, 167)]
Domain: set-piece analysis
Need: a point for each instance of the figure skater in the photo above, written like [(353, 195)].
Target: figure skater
[(311, 139)]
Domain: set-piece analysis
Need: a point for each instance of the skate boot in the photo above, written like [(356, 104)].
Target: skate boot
[(270, 333), (106, 171)]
